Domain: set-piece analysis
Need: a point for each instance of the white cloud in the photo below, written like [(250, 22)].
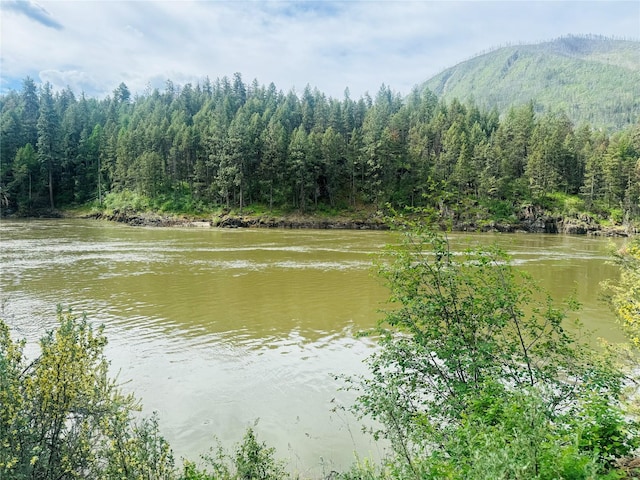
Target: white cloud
[(78, 81), (134, 31), (332, 45)]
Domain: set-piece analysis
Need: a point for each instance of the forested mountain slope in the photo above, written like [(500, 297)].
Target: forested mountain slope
[(594, 80)]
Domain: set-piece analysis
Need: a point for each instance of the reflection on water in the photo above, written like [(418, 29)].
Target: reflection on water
[(217, 328)]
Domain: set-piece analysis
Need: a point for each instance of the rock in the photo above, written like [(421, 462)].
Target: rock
[(535, 220)]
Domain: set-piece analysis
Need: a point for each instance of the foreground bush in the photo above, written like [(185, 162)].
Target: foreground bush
[(479, 375), (625, 294), (251, 460), (63, 417)]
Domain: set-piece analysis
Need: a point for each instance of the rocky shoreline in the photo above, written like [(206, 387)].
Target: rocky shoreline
[(534, 220), (294, 221), (529, 220)]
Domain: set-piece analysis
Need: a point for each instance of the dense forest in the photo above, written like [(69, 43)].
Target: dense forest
[(225, 143)]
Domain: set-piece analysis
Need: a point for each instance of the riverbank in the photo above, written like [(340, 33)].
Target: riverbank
[(372, 221), (528, 220)]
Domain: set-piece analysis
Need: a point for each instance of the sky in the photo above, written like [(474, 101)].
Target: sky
[(92, 46)]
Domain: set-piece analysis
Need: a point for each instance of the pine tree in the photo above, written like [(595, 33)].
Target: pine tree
[(48, 138)]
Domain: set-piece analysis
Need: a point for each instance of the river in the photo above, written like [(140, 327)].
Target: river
[(219, 329)]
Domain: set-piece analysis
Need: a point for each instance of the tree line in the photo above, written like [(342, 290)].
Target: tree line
[(231, 144)]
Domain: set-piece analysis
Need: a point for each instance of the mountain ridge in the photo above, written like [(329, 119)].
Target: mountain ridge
[(593, 79)]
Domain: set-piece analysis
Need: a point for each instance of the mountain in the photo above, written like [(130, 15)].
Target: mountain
[(592, 79)]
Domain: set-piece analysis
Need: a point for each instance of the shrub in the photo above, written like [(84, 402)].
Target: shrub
[(251, 460), (624, 295), (63, 417), (126, 200), (470, 363)]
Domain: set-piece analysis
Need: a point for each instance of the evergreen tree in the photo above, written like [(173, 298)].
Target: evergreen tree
[(543, 161), (48, 139), (300, 173), (11, 135), (274, 158), (29, 111), (25, 173), (355, 166), (332, 170), (512, 142)]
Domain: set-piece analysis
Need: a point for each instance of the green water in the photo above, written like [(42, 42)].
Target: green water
[(216, 329)]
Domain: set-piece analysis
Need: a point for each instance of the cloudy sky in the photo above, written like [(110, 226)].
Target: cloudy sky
[(93, 45)]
